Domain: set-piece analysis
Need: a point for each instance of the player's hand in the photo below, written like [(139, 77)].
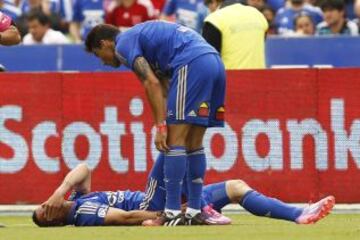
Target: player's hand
[(52, 207), (161, 137)]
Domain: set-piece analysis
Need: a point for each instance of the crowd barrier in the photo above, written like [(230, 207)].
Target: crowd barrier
[(280, 52), (291, 134)]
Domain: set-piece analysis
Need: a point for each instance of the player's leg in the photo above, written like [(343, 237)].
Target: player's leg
[(175, 159), (210, 93), (155, 194), (175, 167), (215, 197), (196, 168), (260, 205)]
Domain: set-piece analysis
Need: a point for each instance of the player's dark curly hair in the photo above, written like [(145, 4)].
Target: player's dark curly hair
[(36, 220), (98, 33)]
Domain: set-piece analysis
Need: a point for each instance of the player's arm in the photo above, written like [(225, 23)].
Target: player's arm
[(78, 179), (74, 30), (10, 36), (212, 35), (118, 217), (155, 95)]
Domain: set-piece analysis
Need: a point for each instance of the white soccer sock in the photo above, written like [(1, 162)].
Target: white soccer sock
[(192, 212)]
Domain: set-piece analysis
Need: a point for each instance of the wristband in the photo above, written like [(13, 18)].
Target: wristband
[(161, 128)]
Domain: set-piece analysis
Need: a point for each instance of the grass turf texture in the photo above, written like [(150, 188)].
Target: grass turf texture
[(244, 227)]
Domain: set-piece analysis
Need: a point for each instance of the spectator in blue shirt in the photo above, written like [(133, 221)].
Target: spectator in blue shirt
[(7, 7), (190, 13), (276, 4), (87, 14), (284, 19), (335, 21)]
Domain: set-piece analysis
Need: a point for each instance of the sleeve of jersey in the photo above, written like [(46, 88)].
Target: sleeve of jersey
[(128, 48), (91, 214)]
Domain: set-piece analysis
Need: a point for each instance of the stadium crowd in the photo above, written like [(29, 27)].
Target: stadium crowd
[(66, 21)]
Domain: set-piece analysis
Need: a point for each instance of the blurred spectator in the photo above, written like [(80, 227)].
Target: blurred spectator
[(284, 19), (237, 32), (11, 10), (275, 5), (86, 15), (190, 13), (304, 25), (110, 5), (269, 15), (258, 4), (9, 34), (357, 13), (152, 13), (127, 14), (335, 22), (349, 9), (158, 7), (58, 11), (40, 31)]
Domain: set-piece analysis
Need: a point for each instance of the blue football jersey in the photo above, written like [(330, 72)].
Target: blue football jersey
[(166, 46), (91, 209)]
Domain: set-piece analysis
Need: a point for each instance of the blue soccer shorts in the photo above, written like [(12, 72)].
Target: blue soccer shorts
[(197, 93)]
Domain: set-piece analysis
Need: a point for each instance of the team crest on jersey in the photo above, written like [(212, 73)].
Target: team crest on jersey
[(220, 113), (203, 110)]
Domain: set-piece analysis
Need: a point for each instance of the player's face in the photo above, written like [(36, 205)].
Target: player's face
[(106, 53), (44, 222)]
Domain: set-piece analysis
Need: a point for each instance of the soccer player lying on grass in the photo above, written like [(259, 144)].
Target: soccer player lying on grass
[(85, 208)]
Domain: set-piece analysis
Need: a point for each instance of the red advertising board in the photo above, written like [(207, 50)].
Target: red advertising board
[(292, 134)]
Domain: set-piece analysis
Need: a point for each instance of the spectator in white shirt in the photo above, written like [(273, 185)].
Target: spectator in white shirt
[(40, 31)]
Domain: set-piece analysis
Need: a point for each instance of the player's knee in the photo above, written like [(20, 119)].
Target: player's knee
[(236, 189)]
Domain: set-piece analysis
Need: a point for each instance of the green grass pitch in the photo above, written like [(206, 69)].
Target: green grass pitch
[(244, 227)]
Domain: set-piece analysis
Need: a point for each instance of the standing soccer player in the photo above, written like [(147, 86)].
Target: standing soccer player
[(184, 81)]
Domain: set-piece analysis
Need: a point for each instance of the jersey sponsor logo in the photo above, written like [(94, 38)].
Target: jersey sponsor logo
[(220, 114), (112, 198), (192, 114), (203, 110), (121, 196), (170, 113), (102, 212)]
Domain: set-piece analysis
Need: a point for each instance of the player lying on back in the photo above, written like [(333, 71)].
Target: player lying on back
[(85, 208)]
